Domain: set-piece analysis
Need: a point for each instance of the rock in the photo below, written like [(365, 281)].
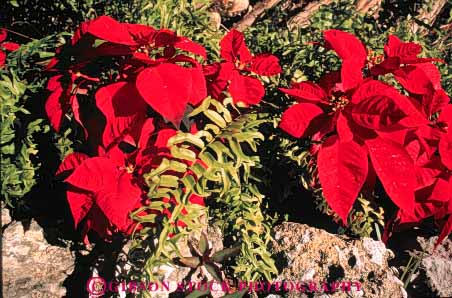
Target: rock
[(439, 275), (323, 261), (31, 267), (215, 19), (6, 218), (231, 8), (434, 277)]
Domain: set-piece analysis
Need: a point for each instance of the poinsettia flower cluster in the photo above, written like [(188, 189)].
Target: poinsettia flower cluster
[(131, 106), (6, 46), (363, 128)]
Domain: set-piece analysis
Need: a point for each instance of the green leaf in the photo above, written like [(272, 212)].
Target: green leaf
[(215, 118), (186, 137), (212, 269), (203, 244), (238, 294), (197, 294), (226, 253), (192, 262), (183, 153), (169, 181)]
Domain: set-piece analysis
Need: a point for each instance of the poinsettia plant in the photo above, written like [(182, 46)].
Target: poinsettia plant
[(158, 124), (363, 125)]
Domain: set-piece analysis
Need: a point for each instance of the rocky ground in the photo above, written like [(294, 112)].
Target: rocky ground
[(308, 256), (31, 267)]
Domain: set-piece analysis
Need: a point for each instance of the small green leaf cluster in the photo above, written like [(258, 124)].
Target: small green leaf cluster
[(21, 85), (17, 146)]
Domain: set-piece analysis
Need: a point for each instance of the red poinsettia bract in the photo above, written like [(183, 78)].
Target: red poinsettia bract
[(6, 46), (233, 74), (166, 80), (368, 127)]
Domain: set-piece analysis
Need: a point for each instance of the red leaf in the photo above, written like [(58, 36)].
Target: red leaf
[(246, 89), (421, 78), (10, 46), (146, 132), (445, 149), (198, 90), (342, 170), (218, 76), (426, 173), (353, 54), (435, 102), (118, 200), (164, 38), (445, 231), (113, 190), (76, 111), (55, 111), (377, 112), (320, 126), (156, 148), (123, 108), (371, 180), (3, 34), (441, 191), (265, 65), (421, 211), (233, 47), (395, 169), (446, 115), (397, 136), (404, 50), (161, 142), (56, 105), (116, 155), (2, 58), (329, 81), (351, 74), (168, 88), (388, 65), (380, 106), (71, 162), (296, 119), (344, 131), (429, 138), (372, 88), (187, 45), (105, 28), (97, 221), (141, 34), (197, 200), (346, 45), (80, 204), (307, 91), (94, 174)]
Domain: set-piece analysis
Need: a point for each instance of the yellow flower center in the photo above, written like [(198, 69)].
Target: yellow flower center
[(338, 102), (374, 58)]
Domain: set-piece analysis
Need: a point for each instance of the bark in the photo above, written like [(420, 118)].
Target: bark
[(251, 16), (428, 17), (370, 7), (302, 18)]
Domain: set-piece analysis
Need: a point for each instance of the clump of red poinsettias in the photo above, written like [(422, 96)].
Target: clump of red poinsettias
[(363, 128), (128, 87)]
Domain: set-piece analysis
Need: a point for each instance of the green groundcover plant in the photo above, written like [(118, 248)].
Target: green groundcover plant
[(160, 131)]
